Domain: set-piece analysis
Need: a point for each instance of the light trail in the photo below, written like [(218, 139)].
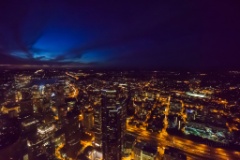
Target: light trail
[(189, 147)]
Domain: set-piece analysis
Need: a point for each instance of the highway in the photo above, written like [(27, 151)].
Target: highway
[(192, 149)]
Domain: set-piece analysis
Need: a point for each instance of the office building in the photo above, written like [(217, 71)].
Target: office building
[(112, 125), (88, 119)]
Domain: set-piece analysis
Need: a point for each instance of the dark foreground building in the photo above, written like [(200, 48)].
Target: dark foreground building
[(113, 125)]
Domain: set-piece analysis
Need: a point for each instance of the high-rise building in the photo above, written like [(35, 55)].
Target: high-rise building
[(113, 122), (88, 119), (97, 126), (59, 95)]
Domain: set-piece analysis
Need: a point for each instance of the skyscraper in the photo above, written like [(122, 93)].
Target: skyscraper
[(112, 125), (98, 126), (88, 119)]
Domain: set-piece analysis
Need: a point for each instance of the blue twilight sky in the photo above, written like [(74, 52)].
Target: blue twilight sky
[(127, 34)]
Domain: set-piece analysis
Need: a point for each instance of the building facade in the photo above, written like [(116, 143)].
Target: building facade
[(113, 123)]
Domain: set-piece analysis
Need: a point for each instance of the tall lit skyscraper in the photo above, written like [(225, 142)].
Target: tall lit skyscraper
[(112, 125), (98, 126), (88, 119)]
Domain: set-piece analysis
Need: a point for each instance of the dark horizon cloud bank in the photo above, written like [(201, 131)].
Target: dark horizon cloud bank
[(133, 34)]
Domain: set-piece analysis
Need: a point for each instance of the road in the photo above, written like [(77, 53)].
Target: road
[(71, 75), (192, 149)]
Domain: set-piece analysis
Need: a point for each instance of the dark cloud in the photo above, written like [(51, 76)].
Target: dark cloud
[(156, 34), (22, 24)]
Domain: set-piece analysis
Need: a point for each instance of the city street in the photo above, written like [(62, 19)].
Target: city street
[(192, 149)]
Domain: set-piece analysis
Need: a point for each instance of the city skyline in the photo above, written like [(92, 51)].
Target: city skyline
[(119, 80), (59, 114), (195, 35)]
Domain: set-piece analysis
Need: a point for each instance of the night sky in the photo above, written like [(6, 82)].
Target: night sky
[(201, 34)]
